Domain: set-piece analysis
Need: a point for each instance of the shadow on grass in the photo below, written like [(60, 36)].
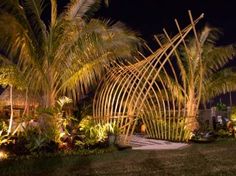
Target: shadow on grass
[(217, 158), (59, 165)]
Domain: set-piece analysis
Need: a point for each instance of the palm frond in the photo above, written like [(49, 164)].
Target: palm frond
[(209, 35), (93, 41), (10, 75), (53, 12), (70, 54), (14, 8), (84, 78), (219, 83), (17, 42), (217, 57), (78, 8), (63, 101), (33, 10)]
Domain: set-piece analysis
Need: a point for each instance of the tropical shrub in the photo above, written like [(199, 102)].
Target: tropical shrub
[(68, 53), (202, 72), (95, 134), (205, 136), (233, 114), (221, 106), (46, 131), (224, 133), (33, 140), (4, 138)]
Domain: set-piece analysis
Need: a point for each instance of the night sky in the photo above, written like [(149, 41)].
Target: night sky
[(148, 17)]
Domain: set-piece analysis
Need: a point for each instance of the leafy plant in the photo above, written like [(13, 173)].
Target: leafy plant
[(112, 128), (44, 132), (86, 123), (91, 133), (202, 72), (233, 114), (95, 133), (34, 139), (53, 122), (4, 137), (206, 136), (223, 133), (68, 54), (221, 106)]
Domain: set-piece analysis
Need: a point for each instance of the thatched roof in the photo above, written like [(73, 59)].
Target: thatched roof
[(18, 98)]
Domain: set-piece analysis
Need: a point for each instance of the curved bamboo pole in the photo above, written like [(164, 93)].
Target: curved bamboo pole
[(149, 89)]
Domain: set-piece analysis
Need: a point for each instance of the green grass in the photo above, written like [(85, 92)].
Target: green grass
[(218, 158)]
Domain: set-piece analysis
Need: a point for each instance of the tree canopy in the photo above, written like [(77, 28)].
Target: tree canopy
[(68, 54)]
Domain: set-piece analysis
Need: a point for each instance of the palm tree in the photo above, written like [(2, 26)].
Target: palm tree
[(9, 76), (68, 55), (202, 71)]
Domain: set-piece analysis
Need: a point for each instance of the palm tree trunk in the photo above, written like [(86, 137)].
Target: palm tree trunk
[(49, 99), (191, 119), (11, 117), (49, 94), (26, 109)]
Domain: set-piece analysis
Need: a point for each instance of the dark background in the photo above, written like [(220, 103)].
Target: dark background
[(149, 17)]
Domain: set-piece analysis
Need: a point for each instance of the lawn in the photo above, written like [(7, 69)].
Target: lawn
[(218, 158)]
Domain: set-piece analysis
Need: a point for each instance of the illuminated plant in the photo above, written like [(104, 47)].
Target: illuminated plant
[(67, 55), (4, 138), (3, 155), (148, 91), (166, 88), (10, 76)]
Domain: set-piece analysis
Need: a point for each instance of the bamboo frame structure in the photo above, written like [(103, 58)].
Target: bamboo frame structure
[(144, 90)]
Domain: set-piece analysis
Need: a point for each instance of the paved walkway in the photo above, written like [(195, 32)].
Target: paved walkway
[(139, 142)]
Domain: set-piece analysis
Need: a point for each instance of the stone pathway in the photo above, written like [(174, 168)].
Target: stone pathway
[(139, 142)]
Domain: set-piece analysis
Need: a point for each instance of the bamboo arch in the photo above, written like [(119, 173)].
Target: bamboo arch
[(144, 90)]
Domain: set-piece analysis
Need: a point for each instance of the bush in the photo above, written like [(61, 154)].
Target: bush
[(233, 114), (221, 106), (224, 133), (205, 136), (93, 135), (4, 138), (47, 131), (90, 134)]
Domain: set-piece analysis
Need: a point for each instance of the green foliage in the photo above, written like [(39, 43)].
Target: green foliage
[(9, 75), (95, 133), (4, 138), (172, 130), (224, 133), (33, 139), (233, 114), (86, 108), (52, 121), (69, 54), (221, 106), (112, 128), (3, 127), (202, 72), (91, 133), (86, 123), (61, 102), (45, 130), (203, 136)]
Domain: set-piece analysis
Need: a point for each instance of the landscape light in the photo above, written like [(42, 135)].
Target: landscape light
[(3, 155)]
